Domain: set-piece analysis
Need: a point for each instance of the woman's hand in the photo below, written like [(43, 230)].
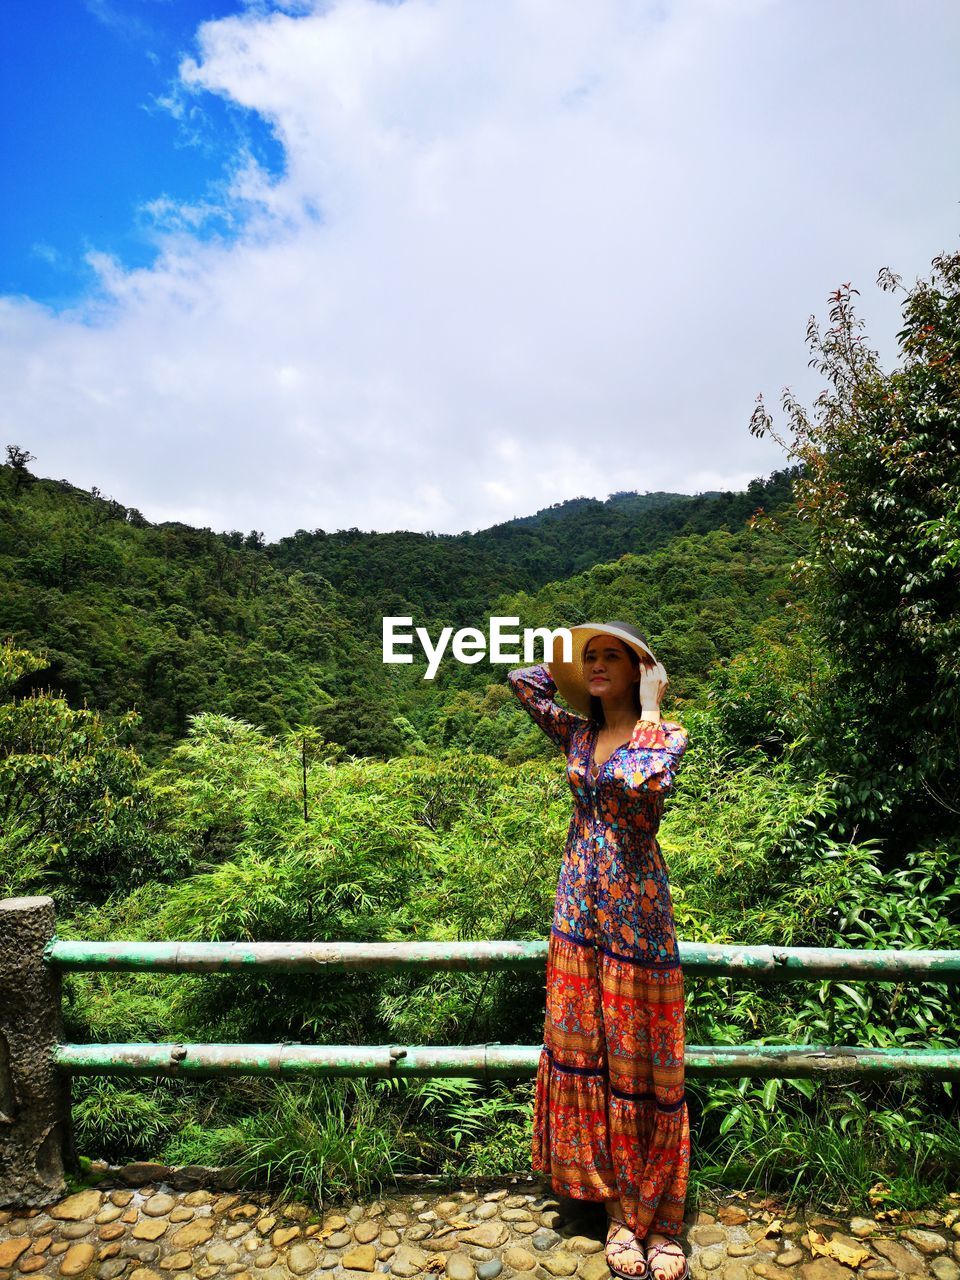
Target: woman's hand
[(653, 682)]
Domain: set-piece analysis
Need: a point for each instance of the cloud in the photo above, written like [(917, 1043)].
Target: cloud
[(122, 22), (519, 251)]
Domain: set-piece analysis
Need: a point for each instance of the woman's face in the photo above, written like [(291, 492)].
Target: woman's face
[(607, 668)]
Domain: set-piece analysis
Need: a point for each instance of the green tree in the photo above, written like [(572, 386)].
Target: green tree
[(360, 726), (17, 459), (79, 818), (881, 493)]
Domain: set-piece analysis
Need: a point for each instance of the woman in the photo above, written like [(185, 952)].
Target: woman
[(610, 1115)]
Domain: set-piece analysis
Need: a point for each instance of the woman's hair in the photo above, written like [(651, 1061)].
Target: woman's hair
[(596, 704)]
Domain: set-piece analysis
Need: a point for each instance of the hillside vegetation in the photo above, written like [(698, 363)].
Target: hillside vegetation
[(172, 621)]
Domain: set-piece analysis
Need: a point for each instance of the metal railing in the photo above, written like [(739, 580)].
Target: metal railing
[(36, 1065)]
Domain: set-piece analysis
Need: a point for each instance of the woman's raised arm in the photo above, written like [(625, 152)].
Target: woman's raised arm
[(535, 689)]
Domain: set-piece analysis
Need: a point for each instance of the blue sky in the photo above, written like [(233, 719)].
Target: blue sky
[(88, 142), (434, 264)]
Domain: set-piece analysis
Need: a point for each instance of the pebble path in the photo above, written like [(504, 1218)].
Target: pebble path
[(156, 1232)]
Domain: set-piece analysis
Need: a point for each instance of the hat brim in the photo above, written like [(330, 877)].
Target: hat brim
[(568, 676)]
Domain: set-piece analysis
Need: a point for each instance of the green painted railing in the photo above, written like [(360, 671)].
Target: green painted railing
[(36, 1066), (768, 964), (702, 959), (484, 1060)]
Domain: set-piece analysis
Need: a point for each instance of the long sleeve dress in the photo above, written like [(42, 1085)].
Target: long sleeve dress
[(610, 1113)]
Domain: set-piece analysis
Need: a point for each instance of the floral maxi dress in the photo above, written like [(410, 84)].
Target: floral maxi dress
[(610, 1114)]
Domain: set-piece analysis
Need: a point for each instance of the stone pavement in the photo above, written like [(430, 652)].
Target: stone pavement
[(158, 1232)]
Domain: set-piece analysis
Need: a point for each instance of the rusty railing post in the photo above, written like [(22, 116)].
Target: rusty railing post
[(36, 1138)]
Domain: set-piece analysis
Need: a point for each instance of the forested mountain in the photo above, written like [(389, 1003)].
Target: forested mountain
[(171, 620), (455, 576), (701, 599), (165, 619)]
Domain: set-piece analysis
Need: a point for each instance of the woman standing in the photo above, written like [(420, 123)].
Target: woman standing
[(610, 1115)]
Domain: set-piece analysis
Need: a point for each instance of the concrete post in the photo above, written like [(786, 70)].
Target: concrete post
[(36, 1139)]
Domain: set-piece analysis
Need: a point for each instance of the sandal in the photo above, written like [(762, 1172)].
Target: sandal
[(653, 1249), (620, 1246)]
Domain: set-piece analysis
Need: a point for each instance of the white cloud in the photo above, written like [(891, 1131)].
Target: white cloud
[(521, 251)]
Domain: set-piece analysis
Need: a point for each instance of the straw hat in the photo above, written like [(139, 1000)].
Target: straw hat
[(568, 676)]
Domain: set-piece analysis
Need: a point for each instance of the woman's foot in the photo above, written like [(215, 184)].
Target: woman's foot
[(624, 1252), (666, 1257)]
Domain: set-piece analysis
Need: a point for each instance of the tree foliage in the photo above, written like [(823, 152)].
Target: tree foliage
[(880, 492), (78, 817)]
